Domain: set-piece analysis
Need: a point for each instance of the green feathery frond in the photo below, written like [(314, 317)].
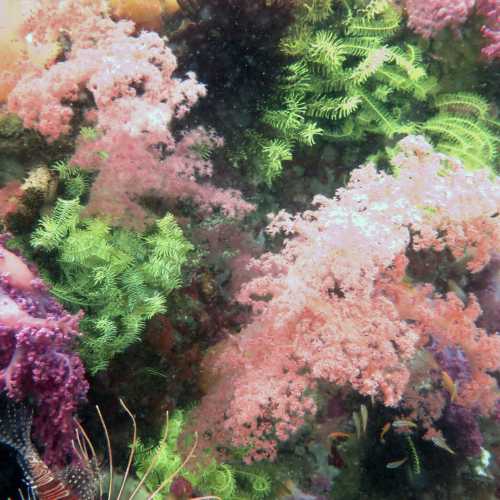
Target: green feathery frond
[(383, 118), (465, 103), (89, 133), (335, 108), (348, 81), (55, 227), (76, 182), (373, 61), (291, 117), (463, 128), (388, 24), (119, 278), (316, 10), (375, 8), (274, 153), (327, 50)]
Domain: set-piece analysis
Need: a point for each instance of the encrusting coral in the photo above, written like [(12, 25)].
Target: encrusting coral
[(337, 305)]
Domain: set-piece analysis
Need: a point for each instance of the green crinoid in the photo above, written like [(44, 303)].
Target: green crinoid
[(464, 128), (350, 80), (119, 278)]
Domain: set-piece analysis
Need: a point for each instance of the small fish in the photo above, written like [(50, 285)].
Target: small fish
[(340, 435), (384, 431), (335, 458), (15, 432), (399, 424), (449, 385), (290, 491), (364, 418), (441, 443), (396, 464), (357, 423)]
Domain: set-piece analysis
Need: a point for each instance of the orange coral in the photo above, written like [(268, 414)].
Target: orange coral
[(19, 53), (146, 14)]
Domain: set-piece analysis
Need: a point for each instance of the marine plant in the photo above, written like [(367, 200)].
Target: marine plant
[(225, 480), (464, 128), (343, 303), (351, 79), (120, 278)]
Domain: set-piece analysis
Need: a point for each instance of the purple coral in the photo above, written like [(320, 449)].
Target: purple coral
[(36, 360), (453, 361), (463, 429), (486, 287)]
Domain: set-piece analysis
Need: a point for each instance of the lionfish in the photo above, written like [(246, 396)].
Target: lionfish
[(75, 482), (81, 481)]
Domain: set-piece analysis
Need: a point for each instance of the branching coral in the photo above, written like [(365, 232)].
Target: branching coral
[(336, 304), (36, 358)]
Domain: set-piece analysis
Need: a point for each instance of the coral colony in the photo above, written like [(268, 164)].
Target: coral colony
[(267, 231), (343, 308), (37, 338)]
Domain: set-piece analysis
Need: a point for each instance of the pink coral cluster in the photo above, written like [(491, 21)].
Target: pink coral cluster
[(125, 86), (490, 10), (431, 16), (336, 304), (46, 21), (36, 360)]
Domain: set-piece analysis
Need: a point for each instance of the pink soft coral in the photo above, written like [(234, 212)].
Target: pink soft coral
[(125, 86), (429, 17), (129, 169), (490, 10), (335, 304)]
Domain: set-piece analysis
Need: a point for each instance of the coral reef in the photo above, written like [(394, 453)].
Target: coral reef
[(347, 349), (37, 361)]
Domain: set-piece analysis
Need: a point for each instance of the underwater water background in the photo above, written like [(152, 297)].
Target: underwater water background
[(249, 249)]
